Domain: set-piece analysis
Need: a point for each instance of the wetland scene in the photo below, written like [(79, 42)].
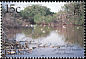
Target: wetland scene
[(41, 30)]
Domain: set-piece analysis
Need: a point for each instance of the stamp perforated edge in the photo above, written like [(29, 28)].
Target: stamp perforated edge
[(0, 30), (39, 57)]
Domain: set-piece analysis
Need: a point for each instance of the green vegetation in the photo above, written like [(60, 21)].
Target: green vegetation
[(42, 15), (73, 11), (37, 13)]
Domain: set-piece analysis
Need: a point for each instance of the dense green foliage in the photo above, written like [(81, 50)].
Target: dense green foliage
[(75, 10), (41, 14), (37, 13)]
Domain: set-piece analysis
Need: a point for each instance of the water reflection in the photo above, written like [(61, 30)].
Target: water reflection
[(52, 39), (54, 45), (57, 41), (73, 34)]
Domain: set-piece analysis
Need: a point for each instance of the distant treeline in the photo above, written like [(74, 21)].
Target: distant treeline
[(71, 13), (74, 13)]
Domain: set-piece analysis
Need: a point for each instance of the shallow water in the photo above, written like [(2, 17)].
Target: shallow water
[(52, 52), (59, 42), (65, 49)]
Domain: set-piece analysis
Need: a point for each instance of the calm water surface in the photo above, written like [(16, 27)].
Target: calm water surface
[(68, 41)]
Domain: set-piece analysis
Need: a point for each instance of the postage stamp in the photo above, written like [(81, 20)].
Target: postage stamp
[(42, 29)]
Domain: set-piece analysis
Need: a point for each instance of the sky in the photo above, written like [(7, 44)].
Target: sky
[(54, 6)]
